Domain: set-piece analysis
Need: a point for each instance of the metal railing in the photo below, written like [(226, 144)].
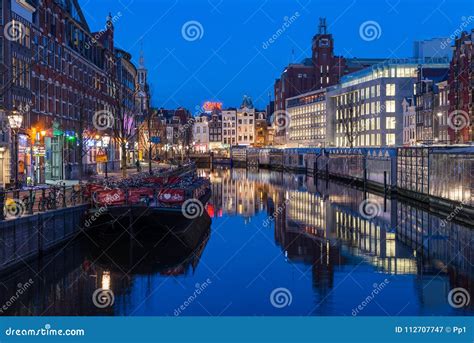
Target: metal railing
[(32, 200)]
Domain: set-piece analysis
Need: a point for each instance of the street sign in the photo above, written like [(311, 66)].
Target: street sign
[(101, 158), (155, 140)]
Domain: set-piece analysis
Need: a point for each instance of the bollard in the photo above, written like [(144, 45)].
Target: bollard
[(2, 203), (81, 194), (30, 202), (54, 198), (64, 196)]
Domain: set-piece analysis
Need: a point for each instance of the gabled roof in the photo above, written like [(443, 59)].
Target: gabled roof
[(247, 102)]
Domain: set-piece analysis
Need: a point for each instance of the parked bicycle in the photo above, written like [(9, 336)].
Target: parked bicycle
[(52, 200)]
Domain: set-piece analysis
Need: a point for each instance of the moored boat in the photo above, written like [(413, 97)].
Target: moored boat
[(164, 199)]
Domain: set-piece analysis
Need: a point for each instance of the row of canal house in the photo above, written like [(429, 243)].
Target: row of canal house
[(60, 74)]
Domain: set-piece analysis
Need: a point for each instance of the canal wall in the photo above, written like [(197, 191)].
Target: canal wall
[(24, 238), (442, 177)]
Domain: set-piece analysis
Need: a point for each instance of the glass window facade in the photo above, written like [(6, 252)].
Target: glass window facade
[(413, 169), (452, 177)]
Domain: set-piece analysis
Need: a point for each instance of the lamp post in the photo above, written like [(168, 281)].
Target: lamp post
[(15, 119), (105, 145), (439, 115)]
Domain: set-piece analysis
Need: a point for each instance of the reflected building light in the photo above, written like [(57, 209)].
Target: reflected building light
[(106, 280)]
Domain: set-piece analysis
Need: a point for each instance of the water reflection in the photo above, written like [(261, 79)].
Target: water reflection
[(64, 280), (269, 230), (319, 223)]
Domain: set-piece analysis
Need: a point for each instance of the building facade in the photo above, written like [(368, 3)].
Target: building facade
[(215, 130), (428, 49), (201, 134), (368, 104), (426, 92), (441, 112), (62, 78), (261, 129), (246, 122), (308, 122), (461, 80), (229, 127), (409, 122)]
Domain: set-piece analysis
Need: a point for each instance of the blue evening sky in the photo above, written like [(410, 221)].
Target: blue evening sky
[(229, 60)]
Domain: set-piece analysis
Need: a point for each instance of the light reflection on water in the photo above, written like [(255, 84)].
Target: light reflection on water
[(270, 230)]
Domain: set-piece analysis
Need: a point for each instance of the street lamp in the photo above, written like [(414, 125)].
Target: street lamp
[(15, 119), (105, 145)]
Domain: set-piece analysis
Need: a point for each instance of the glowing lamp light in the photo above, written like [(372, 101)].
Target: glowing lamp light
[(106, 280), (15, 119), (43, 133), (105, 140), (440, 114)]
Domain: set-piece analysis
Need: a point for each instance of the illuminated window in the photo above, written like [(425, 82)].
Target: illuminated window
[(390, 106), (390, 89), (390, 123), (390, 138)]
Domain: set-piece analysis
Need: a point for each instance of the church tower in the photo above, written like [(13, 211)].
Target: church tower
[(142, 98)]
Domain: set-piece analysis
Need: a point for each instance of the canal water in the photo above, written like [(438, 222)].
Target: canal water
[(275, 244)]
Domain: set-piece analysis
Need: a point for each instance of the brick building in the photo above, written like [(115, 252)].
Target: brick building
[(61, 76), (461, 90), (71, 82)]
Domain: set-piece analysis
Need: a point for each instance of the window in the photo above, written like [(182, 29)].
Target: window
[(390, 89), (390, 123), (390, 106), (390, 138)]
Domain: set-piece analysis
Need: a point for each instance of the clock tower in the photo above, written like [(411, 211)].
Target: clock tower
[(328, 68)]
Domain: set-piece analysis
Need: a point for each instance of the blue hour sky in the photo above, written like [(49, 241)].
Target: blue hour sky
[(231, 54)]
